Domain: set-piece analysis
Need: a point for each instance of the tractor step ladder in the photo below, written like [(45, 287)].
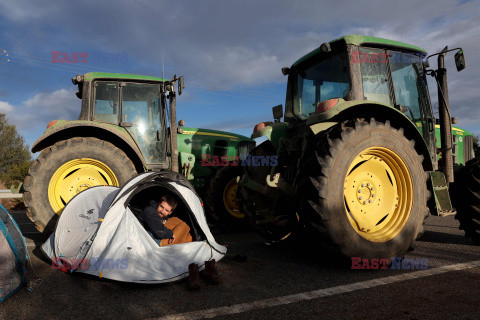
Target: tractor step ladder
[(441, 194)]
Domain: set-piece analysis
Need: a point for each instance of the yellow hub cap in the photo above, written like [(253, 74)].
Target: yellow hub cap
[(230, 199), (378, 194), (75, 176)]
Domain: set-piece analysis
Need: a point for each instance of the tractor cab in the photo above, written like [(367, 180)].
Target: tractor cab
[(366, 72), (358, 68), (138, 104)]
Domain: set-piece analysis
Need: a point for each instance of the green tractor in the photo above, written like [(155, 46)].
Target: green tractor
[(357, 155), (211, 160), (462, 146), (127, 125)]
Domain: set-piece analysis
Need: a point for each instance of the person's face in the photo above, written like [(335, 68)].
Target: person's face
[(164, 209)]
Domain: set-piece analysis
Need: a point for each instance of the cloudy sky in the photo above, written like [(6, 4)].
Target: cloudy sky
[(230, 52)]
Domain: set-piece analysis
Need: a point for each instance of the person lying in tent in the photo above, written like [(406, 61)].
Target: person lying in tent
[(163, 229), (166, 230)]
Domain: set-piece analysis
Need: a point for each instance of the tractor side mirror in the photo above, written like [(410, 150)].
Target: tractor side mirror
[(277, 112), (460, 60)]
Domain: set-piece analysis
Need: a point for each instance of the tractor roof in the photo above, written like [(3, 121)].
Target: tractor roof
[(360, 40), (120, 76)]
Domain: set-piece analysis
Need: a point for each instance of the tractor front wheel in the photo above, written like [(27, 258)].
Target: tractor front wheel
[(67, 168), (222, 197)]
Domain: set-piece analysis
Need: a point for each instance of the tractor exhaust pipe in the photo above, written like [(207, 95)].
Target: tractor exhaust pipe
[(173, 130), (173, 118), (445, 118)]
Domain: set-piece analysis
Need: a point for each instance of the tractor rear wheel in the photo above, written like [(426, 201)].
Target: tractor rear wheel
[(364, 189), (222, 196), (467, 199), (65, 169)]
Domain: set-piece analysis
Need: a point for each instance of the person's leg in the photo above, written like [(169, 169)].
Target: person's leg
[(180, 229)]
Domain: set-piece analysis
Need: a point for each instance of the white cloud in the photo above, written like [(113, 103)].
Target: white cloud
[(61, 103), (240, 44), (24, 11), (238, 65), (32, 116), (5, 107)]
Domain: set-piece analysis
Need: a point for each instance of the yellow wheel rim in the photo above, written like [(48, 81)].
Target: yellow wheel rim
[(378, 194), (230, 199), (75, 176)]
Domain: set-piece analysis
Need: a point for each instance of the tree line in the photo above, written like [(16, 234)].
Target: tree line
[(15, 157)]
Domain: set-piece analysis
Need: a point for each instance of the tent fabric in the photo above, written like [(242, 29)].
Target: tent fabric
[(99, 234), (13, 255)]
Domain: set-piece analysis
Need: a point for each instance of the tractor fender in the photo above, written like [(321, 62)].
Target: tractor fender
[(367, 109), (63, 130)]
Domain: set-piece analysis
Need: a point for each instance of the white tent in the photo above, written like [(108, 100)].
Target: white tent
[(99, 234)]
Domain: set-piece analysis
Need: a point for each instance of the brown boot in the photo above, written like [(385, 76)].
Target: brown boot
[(211, 273), (193, 282)]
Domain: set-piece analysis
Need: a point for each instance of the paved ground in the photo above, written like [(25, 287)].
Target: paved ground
[(282, 281)]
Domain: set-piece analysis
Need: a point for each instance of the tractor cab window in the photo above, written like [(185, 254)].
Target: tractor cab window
[(106, 101), (406, 74), (374, 67), (325, 80), (409, 84), (142, 110)]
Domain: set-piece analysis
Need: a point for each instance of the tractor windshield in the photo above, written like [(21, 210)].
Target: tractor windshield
[(138, 107), (409, 83), (406, 74), (324, 80), (141, 106)]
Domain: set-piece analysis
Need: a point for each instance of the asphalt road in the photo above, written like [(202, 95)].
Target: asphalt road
[(280, 281)]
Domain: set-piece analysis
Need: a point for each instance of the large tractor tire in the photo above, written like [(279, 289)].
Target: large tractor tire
[(255, 204), (222, 197), (467, 199), (65, 169), (364, 189)]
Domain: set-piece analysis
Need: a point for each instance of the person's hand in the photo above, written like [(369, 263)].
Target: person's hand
[(171, 240)]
